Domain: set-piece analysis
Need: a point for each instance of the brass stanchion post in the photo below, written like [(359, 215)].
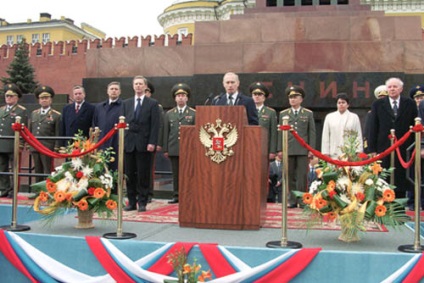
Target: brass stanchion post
[(14, 226), (392, 157), (119, 234), (284, 243), (416, 247)]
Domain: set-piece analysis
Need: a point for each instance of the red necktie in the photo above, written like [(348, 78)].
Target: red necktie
[(77, 109)]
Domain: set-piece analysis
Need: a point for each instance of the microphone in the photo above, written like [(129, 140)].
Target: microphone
[(216, 98), (208, 99)]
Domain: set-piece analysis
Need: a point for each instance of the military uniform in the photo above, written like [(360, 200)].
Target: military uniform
[(304, 124), (171, 133), (268, 120), (7, 118)]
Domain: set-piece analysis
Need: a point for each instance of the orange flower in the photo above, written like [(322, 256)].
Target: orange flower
[(331, 185), (99, 193), (186, 268), (87, 145), (76, 144), (43, 196), (307, 198), (51, 187), (388, 195), (59, 196), (320, 203), (205, 275), (318, 172), (68, 196), (111, 204), (331, 215), (376, 168), (380, 210), (82, 205)]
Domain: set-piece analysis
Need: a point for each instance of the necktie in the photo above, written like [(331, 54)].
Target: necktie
[(278, 165), (295, 113), (43, 112), (181, 112), (77, 108), (8, 108), (230, 100), (395, 108), (138, 107)]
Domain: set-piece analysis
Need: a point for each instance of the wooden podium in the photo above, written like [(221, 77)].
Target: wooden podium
[(231, 194)]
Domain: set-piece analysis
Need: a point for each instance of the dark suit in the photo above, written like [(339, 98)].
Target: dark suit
[(72, 122), (45, 125), (7, 118), (105, 117), (275, 177), (247, 102), (143, 130), (382, 120)]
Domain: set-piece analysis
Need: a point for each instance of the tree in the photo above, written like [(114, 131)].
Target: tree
[(20, 70)]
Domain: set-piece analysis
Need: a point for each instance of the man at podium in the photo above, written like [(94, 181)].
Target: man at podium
[(232, 97)]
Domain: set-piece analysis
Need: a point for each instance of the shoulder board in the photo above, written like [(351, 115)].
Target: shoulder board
[(34, 111), (55, 111), (192, 109), (20, 107), (306, 109), (170, 110), (269, 108), (285, 110)]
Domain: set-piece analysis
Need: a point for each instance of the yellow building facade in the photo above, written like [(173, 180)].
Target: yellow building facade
[(46, 30)]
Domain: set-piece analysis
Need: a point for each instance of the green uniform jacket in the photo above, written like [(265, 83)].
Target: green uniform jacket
[(171, 129), (7, 118), (47, 125), (304, 125), (268, 120)]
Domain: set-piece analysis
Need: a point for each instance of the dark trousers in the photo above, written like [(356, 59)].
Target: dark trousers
[(5, 160), (138, 171), (298, 175), (175, 172), (42, 164)]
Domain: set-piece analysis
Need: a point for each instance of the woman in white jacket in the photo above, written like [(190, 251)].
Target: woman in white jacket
[(336, 124)]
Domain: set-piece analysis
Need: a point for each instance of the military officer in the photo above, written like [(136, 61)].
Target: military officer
[(174, 118), (267, 116), (303, 123), (44, 122), (8, 114)]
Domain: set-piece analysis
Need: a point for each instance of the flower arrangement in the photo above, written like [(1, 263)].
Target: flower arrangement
[(186, 272), (353, 195), (84, 182)]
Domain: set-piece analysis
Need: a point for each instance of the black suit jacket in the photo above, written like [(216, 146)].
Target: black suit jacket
[(71, 122), (144, 129), (382, 120), (247, 102)]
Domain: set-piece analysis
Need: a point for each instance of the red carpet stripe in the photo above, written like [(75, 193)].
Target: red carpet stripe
[(417, 272), (10, 254), (107, 261), (162, 266), (290, 268), (217, 262)]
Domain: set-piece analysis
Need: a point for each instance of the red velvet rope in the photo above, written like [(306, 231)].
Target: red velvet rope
[(32, 141), (349, 163)]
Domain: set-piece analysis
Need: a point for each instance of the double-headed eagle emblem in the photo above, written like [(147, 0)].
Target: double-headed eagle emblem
[(218, 140)]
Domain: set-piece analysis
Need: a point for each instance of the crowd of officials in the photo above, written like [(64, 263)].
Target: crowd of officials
[(150, 129)]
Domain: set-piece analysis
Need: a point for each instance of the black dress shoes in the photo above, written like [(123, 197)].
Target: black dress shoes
[(6, 193), (291, 206), (174, 200), (141, 208), (130, 208)]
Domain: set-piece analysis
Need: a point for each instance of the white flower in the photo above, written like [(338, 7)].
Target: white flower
[(344, 198), (69, 176), (76, 163), (369, 182), (87, 171), (343, 182), (107, 180), (357, 188)]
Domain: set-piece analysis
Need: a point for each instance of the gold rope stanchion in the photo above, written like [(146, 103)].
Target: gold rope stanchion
[(284, 243), (416, 247), (392, 157), (119, 234), (14, 226)]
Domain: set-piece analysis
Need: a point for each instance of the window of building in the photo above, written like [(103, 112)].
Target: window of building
[(46, 37), (271, 3), (9, 40), (289, 3), (35, 38), (306, 2), (324, 2), (182, 32), (19, 38)]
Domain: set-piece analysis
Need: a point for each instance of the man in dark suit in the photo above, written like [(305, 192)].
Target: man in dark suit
[(77, 115), (45, 122), (8, 114), (143, 117), (174, 119), (106, 115), (232, 96), (275, 180), (393, 112)]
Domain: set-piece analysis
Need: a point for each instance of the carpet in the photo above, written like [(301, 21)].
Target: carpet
[(161, 212)]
